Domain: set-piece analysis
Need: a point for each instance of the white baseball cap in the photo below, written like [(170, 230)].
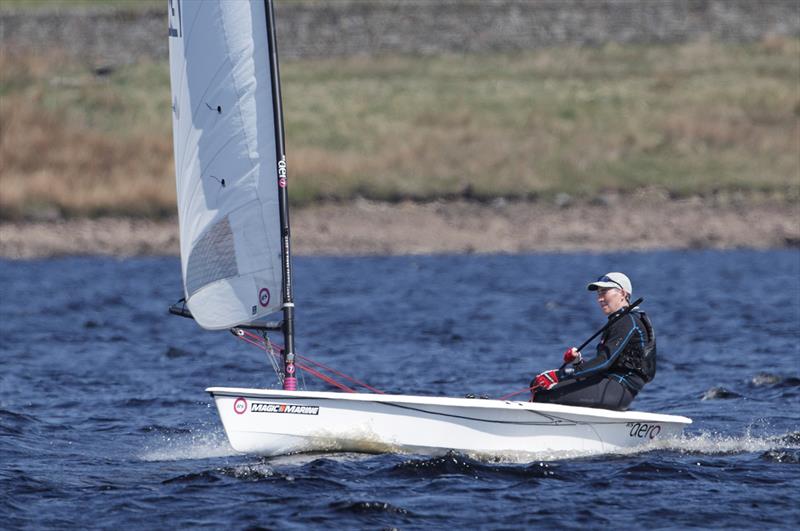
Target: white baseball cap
[(612, 280)]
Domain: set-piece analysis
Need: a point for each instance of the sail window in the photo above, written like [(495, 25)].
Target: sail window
[(212, 258)]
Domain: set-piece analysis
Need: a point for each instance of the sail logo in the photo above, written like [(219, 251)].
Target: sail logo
[(260, 407), (282, 173), (263, 297)]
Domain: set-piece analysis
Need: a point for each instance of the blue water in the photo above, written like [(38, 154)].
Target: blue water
[(105, 422)]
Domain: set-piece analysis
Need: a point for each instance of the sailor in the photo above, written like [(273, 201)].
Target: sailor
[(625, 361)]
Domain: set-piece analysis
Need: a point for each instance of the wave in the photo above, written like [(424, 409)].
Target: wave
[(13, 423), (369, 507), (765, 379), (247, 472), (267, 469), (480, 465), (718, 444), (782, 456), (719, 393), (778, 448), (762, 380)]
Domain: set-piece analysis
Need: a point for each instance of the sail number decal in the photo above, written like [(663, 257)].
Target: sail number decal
[(641, 430), (261, 407)]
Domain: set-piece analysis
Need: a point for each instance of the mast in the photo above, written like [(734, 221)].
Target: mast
[(289, 380)]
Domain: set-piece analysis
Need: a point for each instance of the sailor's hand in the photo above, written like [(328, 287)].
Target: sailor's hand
[(572, 355), (546, 380)]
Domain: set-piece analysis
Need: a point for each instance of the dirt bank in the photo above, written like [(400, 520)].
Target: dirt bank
[(368, 228)]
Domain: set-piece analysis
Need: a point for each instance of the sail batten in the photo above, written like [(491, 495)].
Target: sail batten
[(225, 161)]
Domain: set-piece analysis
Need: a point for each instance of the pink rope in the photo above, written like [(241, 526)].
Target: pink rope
[(531, 390), (326, 378), (248, 340), (258, 341), (342, 375)]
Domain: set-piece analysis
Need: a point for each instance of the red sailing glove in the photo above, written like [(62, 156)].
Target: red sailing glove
[(572, 355), (546, 380)]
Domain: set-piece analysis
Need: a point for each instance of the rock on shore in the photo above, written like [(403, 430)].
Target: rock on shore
[(369, 228)]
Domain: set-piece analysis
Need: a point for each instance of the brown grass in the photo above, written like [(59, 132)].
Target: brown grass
[(55, 163), (694, 119)]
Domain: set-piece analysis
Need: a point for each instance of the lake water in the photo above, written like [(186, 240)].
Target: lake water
[(104, 422)]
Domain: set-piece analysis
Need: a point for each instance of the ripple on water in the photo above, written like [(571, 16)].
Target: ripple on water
[(454, 463), (365, 507), (719, 393), (175, 352), (646, 470), (765, 379), (83, 387), (259, 471), (13, 423), (782, 456)]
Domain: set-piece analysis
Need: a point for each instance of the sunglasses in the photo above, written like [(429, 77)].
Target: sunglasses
[(605, 278)]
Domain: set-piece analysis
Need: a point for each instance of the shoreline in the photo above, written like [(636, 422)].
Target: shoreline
[(364, 227)]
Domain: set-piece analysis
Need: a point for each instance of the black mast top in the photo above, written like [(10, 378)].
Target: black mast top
[(289, 382)]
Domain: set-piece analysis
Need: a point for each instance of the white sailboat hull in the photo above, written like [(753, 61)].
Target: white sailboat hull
[(274, 422)]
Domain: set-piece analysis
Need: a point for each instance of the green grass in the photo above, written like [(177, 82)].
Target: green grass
[(693, 119)]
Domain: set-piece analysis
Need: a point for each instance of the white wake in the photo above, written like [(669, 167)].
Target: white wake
[(201, 445)]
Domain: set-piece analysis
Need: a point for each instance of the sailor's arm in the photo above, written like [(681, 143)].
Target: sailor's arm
[(620, 334)]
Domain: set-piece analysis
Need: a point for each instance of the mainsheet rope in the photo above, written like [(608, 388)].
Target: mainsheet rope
[(515, 393)]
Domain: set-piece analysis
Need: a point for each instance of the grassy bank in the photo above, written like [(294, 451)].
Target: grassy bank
[(694, 119)]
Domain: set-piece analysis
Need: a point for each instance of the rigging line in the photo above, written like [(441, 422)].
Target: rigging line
[(271, 356), (339, 373), (302, 367), (331, 369), (515, 393), (265, 347), (342, 375), (303, 381), (260, 344), (325, 378)]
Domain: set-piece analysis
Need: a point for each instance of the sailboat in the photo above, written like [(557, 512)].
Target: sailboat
[(232, 187)]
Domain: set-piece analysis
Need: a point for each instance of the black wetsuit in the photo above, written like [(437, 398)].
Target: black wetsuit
[(625, 362)]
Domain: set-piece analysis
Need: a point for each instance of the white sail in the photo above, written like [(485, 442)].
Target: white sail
[(225, 163)]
